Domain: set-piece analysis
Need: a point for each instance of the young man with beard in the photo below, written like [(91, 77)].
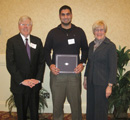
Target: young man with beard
[(66, 39)]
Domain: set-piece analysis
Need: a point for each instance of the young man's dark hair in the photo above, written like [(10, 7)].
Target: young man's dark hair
[(64, 7)]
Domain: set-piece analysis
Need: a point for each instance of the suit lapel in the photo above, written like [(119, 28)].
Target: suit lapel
[(91, 48), (102, 46), (32, 40)]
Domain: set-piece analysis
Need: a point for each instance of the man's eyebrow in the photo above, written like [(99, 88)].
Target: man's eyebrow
[(65, 13)]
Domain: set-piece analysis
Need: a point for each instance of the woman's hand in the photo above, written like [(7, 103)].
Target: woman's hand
[(108, 90), (85, 83)]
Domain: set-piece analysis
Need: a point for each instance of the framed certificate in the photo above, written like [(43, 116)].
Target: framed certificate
[(66, 63)]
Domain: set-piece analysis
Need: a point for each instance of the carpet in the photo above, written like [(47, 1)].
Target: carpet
[(44, 116)]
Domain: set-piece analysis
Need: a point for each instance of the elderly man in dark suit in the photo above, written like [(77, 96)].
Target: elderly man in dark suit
[(25, 63)]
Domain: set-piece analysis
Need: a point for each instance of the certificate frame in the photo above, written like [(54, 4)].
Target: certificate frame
[(66, 62)]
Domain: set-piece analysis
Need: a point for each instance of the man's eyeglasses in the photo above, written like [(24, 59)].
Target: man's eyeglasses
[(28, 25)]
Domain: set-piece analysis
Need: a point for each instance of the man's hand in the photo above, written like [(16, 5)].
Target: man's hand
[(34, 81), (28, 83), (54, 70), (79, 68)]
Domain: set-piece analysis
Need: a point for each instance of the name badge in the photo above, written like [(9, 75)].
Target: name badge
[(32, 45), (71, 41)]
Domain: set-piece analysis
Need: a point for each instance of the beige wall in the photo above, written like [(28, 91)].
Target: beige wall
[(44, 13)]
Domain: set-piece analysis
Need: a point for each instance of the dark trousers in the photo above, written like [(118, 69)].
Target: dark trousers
[(66, 86), (29, 99), (97, 103)]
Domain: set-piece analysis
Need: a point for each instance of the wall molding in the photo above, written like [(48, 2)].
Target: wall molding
[(2, 60)]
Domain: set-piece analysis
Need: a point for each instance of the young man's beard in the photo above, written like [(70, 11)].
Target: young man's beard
[(66, 23)]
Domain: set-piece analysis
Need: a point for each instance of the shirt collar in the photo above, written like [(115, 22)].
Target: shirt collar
[(23, 38)]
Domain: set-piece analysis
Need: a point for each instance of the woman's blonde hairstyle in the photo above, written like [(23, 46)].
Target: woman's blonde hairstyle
[(99, 23)]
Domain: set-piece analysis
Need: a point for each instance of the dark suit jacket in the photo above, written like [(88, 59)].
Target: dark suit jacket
[(19, 65), (102, 64)]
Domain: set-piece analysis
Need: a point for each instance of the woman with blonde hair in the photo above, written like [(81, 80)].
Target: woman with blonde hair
[(100, 74)]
